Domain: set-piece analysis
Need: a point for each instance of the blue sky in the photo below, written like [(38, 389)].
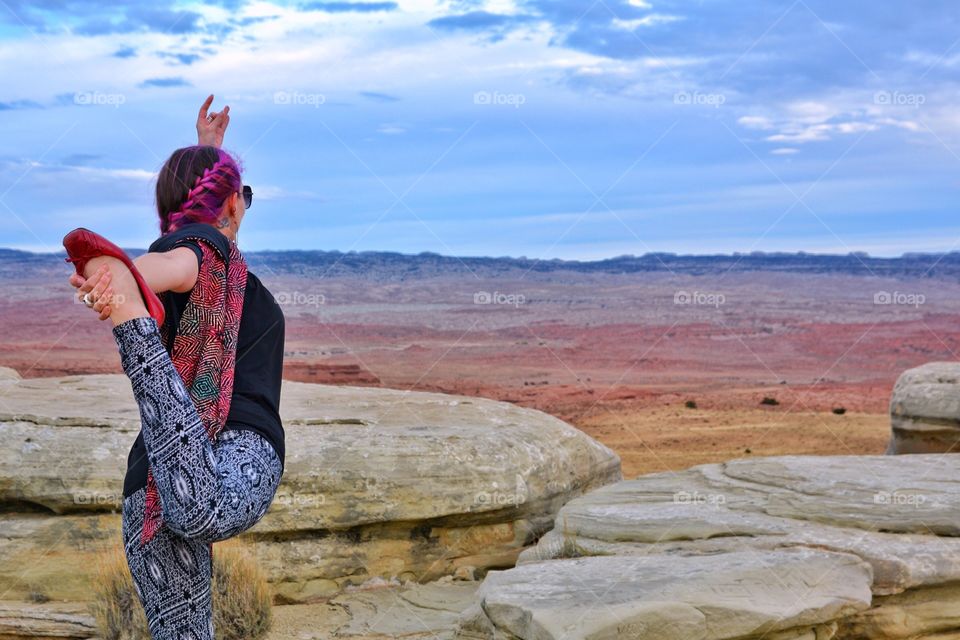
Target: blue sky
[(541, 128)]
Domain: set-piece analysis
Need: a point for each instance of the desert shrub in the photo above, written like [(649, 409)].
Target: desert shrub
[(242, 599), (115, 607), (690, 404), (37, 592), (770, 401), (839, 410)]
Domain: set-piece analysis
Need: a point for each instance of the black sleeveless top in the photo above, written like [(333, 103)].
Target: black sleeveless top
[(255, 404)]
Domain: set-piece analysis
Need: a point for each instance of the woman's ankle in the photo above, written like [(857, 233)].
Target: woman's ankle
[(138, 341), (127, 312)]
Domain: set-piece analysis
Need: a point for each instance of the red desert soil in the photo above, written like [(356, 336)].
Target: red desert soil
[(611, 354)]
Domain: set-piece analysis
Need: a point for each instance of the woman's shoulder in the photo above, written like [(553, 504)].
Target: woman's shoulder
[(188, 233)]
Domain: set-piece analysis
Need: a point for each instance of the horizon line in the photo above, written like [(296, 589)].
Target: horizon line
[(649, 254)]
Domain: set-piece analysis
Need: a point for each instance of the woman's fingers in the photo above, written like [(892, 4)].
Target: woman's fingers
[(212, 124), (97, 289), (102, 305), (95, 284), (203, 108), (97, 293), (87, 284)]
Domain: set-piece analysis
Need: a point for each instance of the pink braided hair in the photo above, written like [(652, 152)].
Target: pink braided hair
[(204, 200)]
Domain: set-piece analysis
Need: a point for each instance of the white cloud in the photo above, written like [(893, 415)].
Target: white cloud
[(755, 122), (909, 125), (820, 132), (647, 21), (811, 112), (101, 173), (843, 113), (126, 174), (926, 59)]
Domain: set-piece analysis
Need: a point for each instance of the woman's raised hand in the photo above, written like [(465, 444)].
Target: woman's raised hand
[(212, 126)]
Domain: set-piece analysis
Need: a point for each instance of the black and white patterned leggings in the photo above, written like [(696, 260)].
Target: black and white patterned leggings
[(209, 491)]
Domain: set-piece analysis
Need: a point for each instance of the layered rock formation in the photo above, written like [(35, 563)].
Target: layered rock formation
[(412, 611), (798, 547), (418, 487), (319, 373), (377, 483), (925, 410)]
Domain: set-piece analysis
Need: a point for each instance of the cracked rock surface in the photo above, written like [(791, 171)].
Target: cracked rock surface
[(812, 547)]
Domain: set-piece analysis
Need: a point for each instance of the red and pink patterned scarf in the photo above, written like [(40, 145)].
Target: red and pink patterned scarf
[(204, 351)]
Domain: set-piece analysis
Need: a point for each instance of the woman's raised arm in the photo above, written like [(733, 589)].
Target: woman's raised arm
[(174, 270)]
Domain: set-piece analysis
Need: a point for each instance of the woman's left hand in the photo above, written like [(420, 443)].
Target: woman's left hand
[(98, 286), (211, 127)]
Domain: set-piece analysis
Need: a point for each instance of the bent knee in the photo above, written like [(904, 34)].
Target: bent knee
[(199, 523)]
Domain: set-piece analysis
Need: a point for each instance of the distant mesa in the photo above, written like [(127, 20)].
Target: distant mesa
[(319, 373), (392, 265)]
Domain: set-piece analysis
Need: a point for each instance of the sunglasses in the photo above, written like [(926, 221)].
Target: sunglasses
[(247, 196)]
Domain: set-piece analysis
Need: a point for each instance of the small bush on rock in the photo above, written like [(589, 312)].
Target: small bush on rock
[(242, 599)]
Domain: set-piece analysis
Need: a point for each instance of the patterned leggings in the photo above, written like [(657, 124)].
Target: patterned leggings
[(209, 491)]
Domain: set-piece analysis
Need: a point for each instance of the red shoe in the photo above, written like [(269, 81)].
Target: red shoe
[(82, 245)]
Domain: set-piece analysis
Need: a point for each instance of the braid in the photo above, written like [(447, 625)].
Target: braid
[(204, 200), (201, 183)]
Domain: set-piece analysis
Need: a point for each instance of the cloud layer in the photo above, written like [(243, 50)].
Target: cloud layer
[(524, 127)]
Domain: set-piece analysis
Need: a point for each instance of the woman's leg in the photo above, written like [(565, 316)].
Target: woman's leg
[(171, 573), (208, 491)]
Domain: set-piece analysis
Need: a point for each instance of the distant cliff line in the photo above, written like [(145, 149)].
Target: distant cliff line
[(394, 265)]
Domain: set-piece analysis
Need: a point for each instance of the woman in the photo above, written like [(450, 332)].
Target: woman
[(205, 363)]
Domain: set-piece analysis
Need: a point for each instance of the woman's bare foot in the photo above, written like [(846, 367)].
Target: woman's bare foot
[(126, 301)]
